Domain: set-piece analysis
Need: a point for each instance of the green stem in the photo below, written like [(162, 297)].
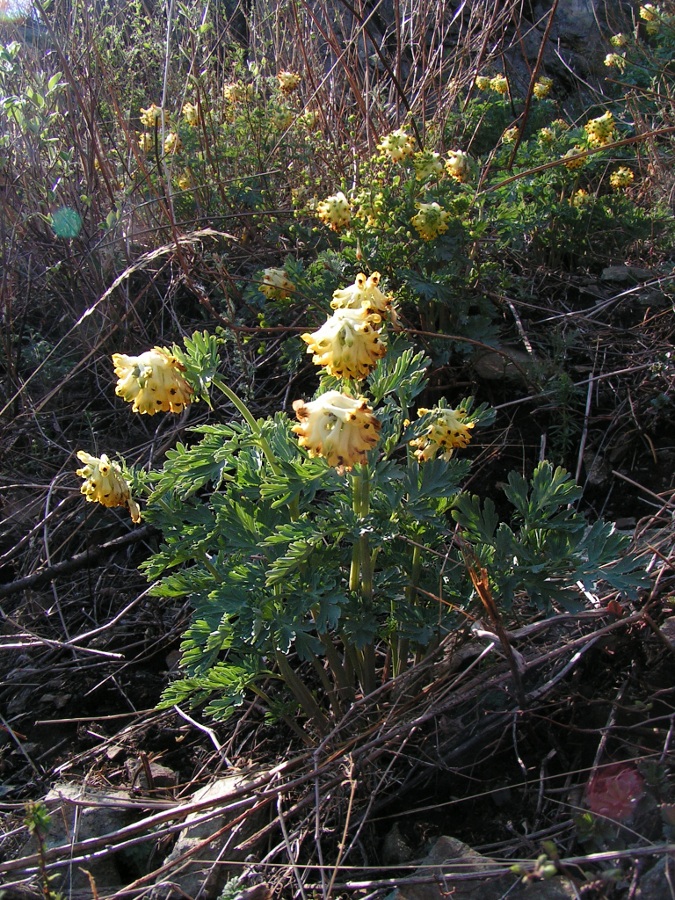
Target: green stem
[(252, 423), (361, 572), (302, 694)]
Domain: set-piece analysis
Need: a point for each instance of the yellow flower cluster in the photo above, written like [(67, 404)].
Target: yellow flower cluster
[(546, 136), (364, 293), (146, 141), (427, 165), (184, 180), (172, 143), (398, 145), (237, 92), (191, 113), (499, 84), (447, 431), (600, 131), (349, 343), (579, 198), (334, 211), (615, 61), (574, 163), (105, 484), (153, 382), (510, 136), (621, 178), (288, 82), (370, 207), (153, 116), (430, 221), (282, 117), (482, 82), (459, 166), (276, 285), (342, 429), (618, 40), (542, 87)]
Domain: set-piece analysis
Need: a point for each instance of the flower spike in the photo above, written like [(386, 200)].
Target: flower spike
[(105, 484), (152, 382)]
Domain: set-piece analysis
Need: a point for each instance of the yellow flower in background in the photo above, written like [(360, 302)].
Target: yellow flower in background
[(482, 82), (370, 207), (430, 221), (621, 178), (510, 136), (447, 431), (546, 136), (574, 163), (542, 87), (459, 166), (105, 484), (615, 61), (600, 131), (580, 198), (364, 293), (282, 117), (152, 116), (618, 40), (339, 428), (276, 285), (172, 143), (184, 181), (398, 145), (348, 344), (237, 92), (146, 141), (428, 164), (153, 382), (649, 12), (288, 82), (334, 211), (191, 113), (499, 84)]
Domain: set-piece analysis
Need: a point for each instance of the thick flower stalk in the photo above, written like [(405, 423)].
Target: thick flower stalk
[(349, 344), (398, 145), (105, 484), (430, 221), (334, 211), (276, 285), (153, 382), (600, 131), (363, 294), (428, 164), (339, 428), (459, 166), (448, 430)]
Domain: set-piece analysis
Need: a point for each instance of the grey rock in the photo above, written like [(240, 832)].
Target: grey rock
[(450, 857), (659, 882)]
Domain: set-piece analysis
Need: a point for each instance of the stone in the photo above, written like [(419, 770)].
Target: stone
[(656, 883), (450, 855), (203, 870)]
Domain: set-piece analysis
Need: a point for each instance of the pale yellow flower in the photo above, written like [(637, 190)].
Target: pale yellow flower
[(428, 164), (579, 198), (430, 221), (146, 141), (288, 81), (282, 117), (574, 163), (184, 180), (105, 484), (398, 145), (621, 178), (348, 344), (447, 431), (510, 136), (191, 113), (172, 143), (339, 428), (276, 285), (370, 207), (618, 40), (237, 92), (334, 211), (153, 382), (482, 82), (459, 166), (499, 84), (152, 116), (542, 87), (615, 61), (649, 12), (364, 293), (545, 136), (600, 131)]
